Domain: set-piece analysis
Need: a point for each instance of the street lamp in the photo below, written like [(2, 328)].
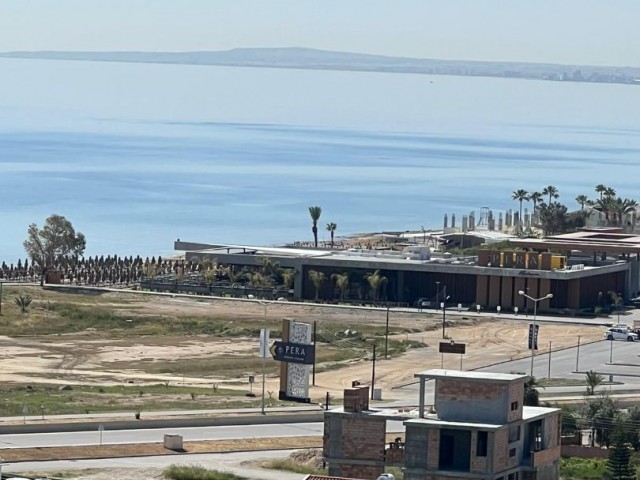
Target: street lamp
[(444, 311), (535, 311)]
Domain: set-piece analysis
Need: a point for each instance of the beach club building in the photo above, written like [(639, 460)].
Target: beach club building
[(577, 268)]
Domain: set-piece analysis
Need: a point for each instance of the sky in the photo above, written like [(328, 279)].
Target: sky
[(583, 32)]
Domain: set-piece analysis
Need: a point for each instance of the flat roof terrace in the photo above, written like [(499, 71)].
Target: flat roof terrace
[(589, 240)]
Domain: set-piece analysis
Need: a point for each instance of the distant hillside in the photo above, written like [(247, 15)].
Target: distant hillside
[(305, 58)]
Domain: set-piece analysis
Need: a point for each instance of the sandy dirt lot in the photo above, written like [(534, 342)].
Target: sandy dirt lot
[(89, 357)]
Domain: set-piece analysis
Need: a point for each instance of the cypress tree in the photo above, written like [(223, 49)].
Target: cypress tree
[(618, 467)]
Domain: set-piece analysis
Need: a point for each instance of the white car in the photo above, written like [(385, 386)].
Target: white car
[(620, 334)]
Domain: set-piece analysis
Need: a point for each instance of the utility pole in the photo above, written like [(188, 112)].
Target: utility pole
[(386, 335), (578, 354), (437, 295), (373, 371), (549, 369), (313, 371)]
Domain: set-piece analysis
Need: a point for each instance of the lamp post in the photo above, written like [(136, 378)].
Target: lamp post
[(535, 312), (444, 311)]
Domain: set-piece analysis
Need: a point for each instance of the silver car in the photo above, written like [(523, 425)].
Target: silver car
[(620, 334)]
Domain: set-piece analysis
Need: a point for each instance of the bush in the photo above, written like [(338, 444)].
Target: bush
[(196, 472)]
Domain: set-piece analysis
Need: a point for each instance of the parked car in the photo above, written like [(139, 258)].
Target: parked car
[(422, 303), (620, 334)]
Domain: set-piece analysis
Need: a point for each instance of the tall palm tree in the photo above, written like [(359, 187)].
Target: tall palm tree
[(331, 228), (375, 281), (551, 191), (288, 277), (315, 213), (600, 188), (317, 278), (520, 195), (610, 192), (582, 200), (535, 198), (342, 282)]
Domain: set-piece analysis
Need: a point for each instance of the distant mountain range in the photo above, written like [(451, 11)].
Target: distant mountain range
[(305, 58)]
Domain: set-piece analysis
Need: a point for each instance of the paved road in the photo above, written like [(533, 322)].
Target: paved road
[(227, 462), (157, 435), (624, 367)]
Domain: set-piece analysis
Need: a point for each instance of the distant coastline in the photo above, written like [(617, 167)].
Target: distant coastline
[(311, 59)]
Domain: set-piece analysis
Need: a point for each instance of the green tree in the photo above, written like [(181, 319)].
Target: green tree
[(315, 213), (531, 393), (269, 267), (600, 189), (23, 301), (375, 281), (331, 228), (288, 277), (51, 244), (582, 201), (342, 282), (593, 380), (551, 191), (520, 196), (553, 218), (318, 279), (619, 461)]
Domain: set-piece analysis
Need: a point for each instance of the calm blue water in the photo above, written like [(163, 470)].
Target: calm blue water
[(139, 155)]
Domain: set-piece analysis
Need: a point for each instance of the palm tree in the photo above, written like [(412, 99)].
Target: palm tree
[(535, 198), (600, 188), (23, 301), (375, 281), (605, 205), (342, 282), (520, 195), (582, 200), (288, 277), (610, 192), (551, 191), (317, 278), (269, 266), (315, 213), (331, 228), (593, 379)]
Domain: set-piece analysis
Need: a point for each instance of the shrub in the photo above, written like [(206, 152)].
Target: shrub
[(196, 472)]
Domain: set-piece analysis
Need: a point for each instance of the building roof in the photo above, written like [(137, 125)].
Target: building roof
[(471, 376), (434, 421), (586, 240), (531, 413)]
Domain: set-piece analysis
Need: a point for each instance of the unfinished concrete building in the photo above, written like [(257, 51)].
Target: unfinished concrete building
[(476, 428)]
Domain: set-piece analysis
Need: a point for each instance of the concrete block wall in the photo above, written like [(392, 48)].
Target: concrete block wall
[(478, 464), (500, 452), (453, 397), (433, 449)]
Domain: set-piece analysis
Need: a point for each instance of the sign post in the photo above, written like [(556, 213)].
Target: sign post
[(452, 347), (264, 353), (293, 352), (100, 430)]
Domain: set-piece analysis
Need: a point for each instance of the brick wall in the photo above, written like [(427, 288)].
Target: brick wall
[(516, 394), (552, 430), (356, 399), (458, 390), (361, 471), (500, 450), (363, 437), (433, 449)]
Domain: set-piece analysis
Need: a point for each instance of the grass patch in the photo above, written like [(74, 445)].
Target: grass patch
[(83, 399), (289, 465), (196, 472), (582, 468)]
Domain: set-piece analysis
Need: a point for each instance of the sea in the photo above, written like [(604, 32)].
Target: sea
[(139, 155)]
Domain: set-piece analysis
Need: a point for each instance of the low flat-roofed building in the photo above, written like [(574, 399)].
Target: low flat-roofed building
[(577, 268)]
